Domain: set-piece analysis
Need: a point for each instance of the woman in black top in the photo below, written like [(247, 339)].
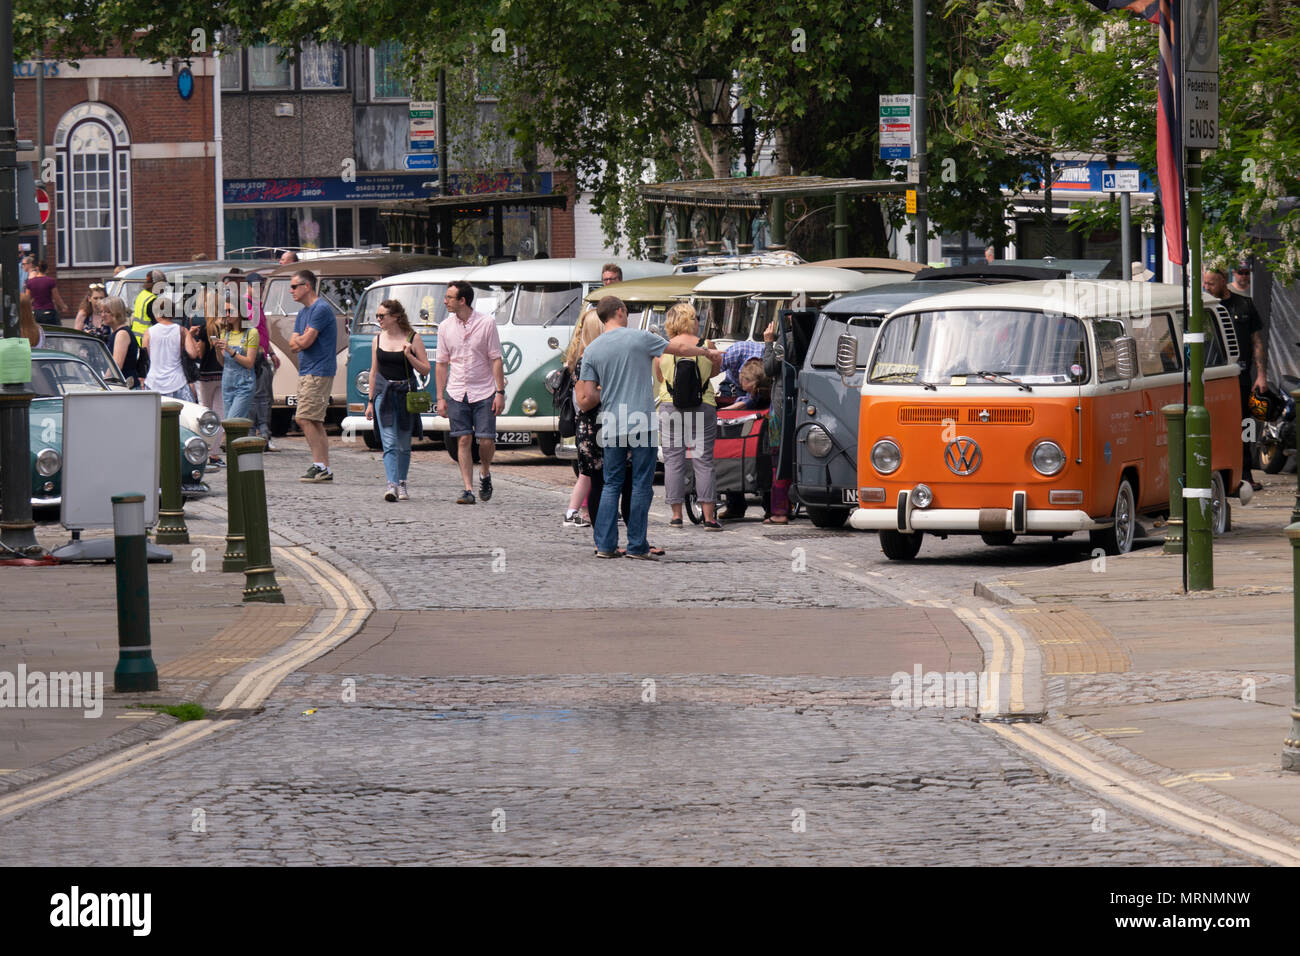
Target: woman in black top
[(206, 329), (397, 353), (125, 350)]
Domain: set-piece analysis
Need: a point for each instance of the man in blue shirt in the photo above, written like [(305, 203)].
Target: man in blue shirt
[(314, 341), (616, 376)]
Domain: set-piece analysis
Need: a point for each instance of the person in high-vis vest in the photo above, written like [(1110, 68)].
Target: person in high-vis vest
[(142, 314)]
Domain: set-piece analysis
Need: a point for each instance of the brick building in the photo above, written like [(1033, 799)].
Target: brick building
[(130, 163)]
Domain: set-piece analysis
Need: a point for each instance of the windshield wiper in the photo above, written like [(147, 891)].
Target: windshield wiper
[(564, 308), (1000, 376)]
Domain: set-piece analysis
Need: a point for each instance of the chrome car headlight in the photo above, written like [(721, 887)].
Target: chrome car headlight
[(922, 496), (209, 422), (552, 380), (818, 441), (48, 462), (196, 450), (363, 382), (529, 405), (1047, 458), (886, 456)]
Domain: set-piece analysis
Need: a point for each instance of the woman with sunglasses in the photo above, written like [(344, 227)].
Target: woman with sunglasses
[(90, 315), (398, 352)]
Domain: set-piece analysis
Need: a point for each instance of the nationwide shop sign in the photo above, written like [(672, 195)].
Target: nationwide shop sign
[(369, 189)]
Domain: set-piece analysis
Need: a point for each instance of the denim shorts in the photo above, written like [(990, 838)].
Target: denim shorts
[(472, 417)]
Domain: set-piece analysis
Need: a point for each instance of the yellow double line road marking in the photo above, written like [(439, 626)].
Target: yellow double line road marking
[(349, 612), (1150, 800), (1000, 633)]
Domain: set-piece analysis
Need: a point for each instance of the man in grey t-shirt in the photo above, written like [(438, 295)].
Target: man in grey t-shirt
[(616, 375)]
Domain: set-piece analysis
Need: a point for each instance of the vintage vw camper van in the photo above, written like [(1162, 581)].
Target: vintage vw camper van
[(1034, 408)]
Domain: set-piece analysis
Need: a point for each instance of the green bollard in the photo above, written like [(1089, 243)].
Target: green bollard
[(135, 667), (1197, 508), (259, 583), (1291, 746), (171, 505), (234, 558), (1174, 429)]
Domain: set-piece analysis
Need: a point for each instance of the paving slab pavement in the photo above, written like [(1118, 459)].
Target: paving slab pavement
[(63, 618), (1192, 690)]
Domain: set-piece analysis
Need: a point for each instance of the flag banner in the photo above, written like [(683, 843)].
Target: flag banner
[(1169, 130)]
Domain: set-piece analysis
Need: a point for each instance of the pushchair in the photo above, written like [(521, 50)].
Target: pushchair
[(742, 458)]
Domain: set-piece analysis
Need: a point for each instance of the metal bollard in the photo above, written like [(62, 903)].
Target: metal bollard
[(1174, 428), (235, 558), (259, 583), (1291, 745), (135, 667), (171, 505)]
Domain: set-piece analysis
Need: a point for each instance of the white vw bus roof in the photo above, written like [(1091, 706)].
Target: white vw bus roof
[(783, 281), (1078, 297), (425, 277), (570, 271)]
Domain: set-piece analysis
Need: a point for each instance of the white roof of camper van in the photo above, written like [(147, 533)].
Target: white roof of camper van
[(425, 277), (563, 270), (813, 280), (1079, 297)]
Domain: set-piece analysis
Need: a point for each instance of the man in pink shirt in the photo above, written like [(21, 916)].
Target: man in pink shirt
[(471, 385)]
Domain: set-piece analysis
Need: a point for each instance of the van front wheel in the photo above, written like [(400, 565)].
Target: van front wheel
[(1118, 538), (900, 547)]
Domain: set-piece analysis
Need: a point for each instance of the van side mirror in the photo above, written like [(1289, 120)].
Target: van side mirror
[(846, 356), (1126, 357)]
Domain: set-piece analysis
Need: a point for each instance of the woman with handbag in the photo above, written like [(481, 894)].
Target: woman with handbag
[(236, 351), (396, 400)]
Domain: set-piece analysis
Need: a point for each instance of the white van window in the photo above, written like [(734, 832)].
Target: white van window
[(423, 303), (934, 348), (1157, 346), (496, 301), (548, 305), (1106, 332)]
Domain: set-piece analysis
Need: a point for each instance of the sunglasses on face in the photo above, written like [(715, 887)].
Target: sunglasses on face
[(381, 315), (296, 285)]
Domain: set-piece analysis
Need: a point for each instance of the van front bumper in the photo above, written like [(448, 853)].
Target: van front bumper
[(436, 423), (904, 516)]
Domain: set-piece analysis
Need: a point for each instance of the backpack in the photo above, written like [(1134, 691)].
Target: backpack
[(565, 406), (688, 386)]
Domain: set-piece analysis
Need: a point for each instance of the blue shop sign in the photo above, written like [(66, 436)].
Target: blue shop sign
[(369, 189)]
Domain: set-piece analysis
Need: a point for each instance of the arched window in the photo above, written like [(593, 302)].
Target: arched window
[(92, 187)]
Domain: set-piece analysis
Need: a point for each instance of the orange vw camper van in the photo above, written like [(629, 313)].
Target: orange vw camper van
[(1034, 408)]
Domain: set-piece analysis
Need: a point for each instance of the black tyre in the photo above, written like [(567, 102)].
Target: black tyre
[(1118, 538), (373, 440), (453, 449), (998, 539), (827, 517), (1221, 512), (900, 547), (548, 442), (1271, 457), (281, 419), (692, 508)]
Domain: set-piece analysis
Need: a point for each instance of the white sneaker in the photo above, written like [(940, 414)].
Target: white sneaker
[(575, 519), (401, 492), (391, 493)]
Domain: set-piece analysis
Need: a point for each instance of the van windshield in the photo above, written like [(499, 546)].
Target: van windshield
[(934, 348), (548, 305), (826, 345), (423, 303)]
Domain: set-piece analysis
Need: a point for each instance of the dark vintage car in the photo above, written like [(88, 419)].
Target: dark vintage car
[(55, 374)]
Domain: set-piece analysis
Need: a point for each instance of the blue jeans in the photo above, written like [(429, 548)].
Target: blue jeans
[(605, 529), (237, 385), (396, 442)]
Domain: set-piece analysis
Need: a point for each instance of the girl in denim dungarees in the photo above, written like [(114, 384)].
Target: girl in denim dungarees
[(236, 350)]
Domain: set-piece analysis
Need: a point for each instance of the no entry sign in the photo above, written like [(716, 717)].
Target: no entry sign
[(43, 204)]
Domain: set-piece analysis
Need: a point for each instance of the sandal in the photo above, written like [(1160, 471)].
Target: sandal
[(657, 551), (776, 519), (675, 523)]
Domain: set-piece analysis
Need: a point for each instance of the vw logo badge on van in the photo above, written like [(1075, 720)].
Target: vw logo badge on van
[(962, 455), (511, 357)]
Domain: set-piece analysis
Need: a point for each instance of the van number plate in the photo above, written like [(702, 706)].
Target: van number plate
[(850, 496), (514, 438)]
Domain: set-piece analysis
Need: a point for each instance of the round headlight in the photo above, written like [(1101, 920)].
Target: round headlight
[(818, 441), (529, 405), (922, 496), (886, 456), (553, 380), (363, 382), (209, 422), (48, 462), (1048, 458), (196, 450)]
